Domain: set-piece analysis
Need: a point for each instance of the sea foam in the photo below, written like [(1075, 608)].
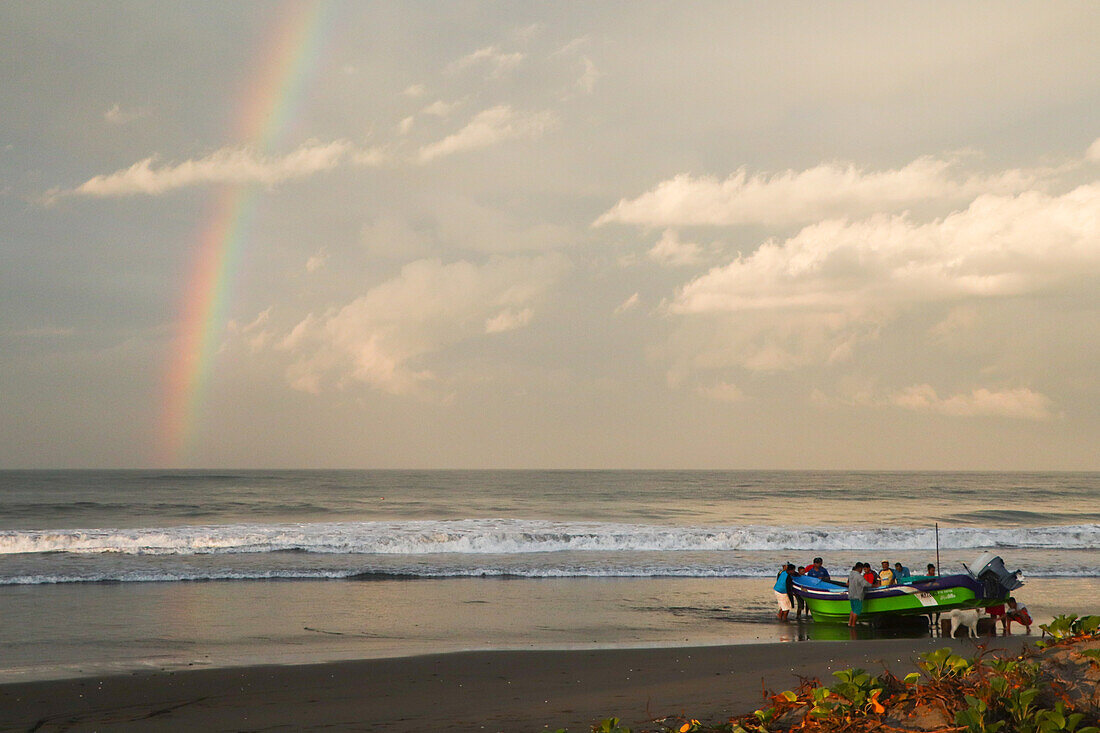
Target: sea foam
[(516, 536)]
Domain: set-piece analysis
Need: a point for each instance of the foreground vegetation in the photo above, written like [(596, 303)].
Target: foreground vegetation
[(1053, 686)]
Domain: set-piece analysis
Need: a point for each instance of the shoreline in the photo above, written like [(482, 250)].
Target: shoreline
[(459, 691)]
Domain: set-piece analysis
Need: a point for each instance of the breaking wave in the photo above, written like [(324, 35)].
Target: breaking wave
[(511, 536)]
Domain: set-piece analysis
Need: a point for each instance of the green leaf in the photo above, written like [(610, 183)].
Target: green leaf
[(1089, 624), (790, 696), (912, 678)]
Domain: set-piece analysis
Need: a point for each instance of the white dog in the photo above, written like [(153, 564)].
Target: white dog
[(967, 617)]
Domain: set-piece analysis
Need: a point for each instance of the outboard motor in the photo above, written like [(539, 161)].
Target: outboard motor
[(996, 581)]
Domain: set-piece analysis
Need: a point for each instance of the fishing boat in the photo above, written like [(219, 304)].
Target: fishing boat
[(989, 585)]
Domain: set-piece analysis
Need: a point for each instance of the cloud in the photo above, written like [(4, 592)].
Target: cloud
[(438, 108), (1022, 403), (415, 90), (829, 190), (524, 34), (489, 127), (629, 304), (256, 334), (118, 116), (723, 392), (497, 61), (998, 246), (227, 165), (370, 157), (508, 320), (1093, 153), (383, 338), (317, 260), (669, 250), (769, 341), (588, 78), (815, 297), (574, 46)]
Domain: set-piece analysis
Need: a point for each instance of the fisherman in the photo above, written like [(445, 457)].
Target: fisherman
[(1017, 613), (857, 586), (886, 575), (781, 598), (797, 601), (817, 570), (901, 573), (870, 575)]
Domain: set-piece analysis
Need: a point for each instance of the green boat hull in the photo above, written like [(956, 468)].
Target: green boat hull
[(935, 601), (989, 585)]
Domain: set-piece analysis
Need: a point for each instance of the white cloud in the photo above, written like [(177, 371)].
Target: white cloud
[(723, 392), (629, 304), (769, 341), (382, 338), (489, 127), (228, 165), (1021, 403), (237, 165), (959, 321), (669, 250), (255, 334), (370, 157), (815, 297), (574, 46), (587, 81), (415, 90), (1093, 153), (439, 108), (317, 260), (508, 320), (118, 116), (497, 61), (998, 246), (829, 190), (525, 34)]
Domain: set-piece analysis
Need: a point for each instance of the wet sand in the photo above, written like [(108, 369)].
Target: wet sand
[(467, 691)]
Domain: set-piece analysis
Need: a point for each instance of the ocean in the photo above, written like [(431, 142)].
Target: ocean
[(127, 570)]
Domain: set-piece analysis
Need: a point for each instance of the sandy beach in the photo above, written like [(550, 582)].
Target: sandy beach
[(470, 691)]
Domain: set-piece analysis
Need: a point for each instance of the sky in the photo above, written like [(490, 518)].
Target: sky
[(550, 235)]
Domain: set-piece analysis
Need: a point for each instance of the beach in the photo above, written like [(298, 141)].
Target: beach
[(465, 691), (452, 600)]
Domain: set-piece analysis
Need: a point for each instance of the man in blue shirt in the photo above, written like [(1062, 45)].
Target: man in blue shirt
[(817, 570), (781, 597), (901, 572)]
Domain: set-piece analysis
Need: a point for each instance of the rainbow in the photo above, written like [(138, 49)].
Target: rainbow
[(287, 63)]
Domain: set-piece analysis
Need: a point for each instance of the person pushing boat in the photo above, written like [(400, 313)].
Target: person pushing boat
[(857, 586)]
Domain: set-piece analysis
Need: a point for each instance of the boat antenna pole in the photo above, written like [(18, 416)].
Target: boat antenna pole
[(938, 569)]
